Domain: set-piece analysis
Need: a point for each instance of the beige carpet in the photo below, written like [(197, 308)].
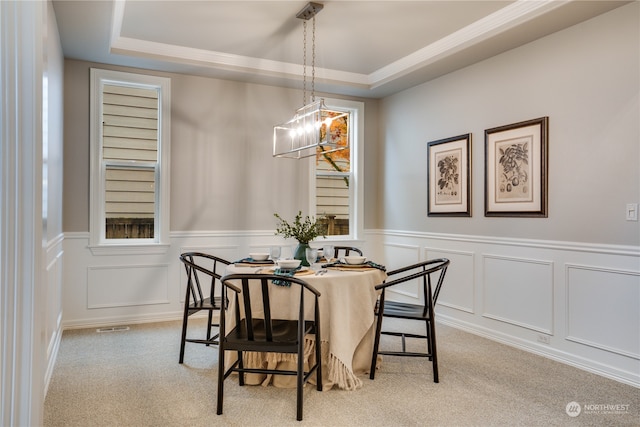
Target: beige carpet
[(132, 378)]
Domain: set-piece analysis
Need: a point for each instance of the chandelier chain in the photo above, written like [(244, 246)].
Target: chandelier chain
[(313, 61), (304, 63)]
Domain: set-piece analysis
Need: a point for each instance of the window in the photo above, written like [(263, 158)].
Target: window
[(130, 137), (336, 184)]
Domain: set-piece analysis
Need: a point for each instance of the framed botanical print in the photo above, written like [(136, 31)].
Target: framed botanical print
[(449, 176), (516, 163)]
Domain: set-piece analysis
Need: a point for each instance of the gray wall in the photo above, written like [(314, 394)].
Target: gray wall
[(223, 175), (585, 79)]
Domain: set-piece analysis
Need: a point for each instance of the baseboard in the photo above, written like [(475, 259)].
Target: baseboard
[(122, 320), (51, 362), (553, 354)]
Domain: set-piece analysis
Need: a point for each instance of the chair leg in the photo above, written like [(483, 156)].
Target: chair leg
[(299, 386), (432, 340), (220, 378), (376, 342), (209, 321), (429, 350), (184, 334), (319, 362), (241, 367)]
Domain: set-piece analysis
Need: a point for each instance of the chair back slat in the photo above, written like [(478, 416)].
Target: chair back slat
[(436, 292), (426, 291), (191, 295), (194, 290), (301, 315), (266, 309), (196, 277), (215, 278), (248, 312)]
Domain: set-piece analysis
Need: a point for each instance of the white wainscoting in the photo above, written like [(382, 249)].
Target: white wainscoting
[(52, 301), (104, 288), (460, 291), (121, 285), (396, 256), (572, 302), (519, 292), (595, 292)]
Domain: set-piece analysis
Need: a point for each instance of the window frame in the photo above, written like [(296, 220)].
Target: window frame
[(97, 174), (356, 181)]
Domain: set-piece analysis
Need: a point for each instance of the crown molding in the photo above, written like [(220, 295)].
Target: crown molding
[(498, 22)]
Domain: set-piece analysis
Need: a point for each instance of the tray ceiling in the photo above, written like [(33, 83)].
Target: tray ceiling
[(363, 48)]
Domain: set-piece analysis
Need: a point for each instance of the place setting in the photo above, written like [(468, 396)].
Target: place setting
[(353, 263), (272, 263), (256, 259)]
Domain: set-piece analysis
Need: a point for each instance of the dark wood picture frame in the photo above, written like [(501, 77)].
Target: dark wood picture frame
[(449, 176), (516, 169)]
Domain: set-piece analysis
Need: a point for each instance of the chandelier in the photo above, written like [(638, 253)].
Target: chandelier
[(310, 128)]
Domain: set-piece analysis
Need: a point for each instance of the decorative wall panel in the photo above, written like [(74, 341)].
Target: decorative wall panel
[(603, 308), (396, 256), (127, 285), (458, 289), (519, 292)]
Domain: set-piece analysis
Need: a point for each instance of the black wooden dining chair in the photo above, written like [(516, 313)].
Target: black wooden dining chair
[(257, 329), (422, 312), (203, 277), (339, 251)]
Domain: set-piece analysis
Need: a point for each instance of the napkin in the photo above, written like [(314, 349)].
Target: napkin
[(286, 272), (367, 264), (251, 261)]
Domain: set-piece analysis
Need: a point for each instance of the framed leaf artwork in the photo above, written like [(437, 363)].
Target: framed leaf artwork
[(516, 163), (449, 176)]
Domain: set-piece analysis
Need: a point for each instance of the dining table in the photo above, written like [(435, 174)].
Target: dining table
[(347, 323)]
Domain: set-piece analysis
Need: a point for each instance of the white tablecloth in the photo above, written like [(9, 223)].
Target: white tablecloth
[(347, 327)]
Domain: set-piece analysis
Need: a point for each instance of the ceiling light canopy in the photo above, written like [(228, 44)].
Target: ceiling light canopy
[(310, 127)]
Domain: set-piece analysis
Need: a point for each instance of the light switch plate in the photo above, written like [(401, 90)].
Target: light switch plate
[(632, 211)]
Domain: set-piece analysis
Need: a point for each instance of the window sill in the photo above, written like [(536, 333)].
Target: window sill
[(139, 249)]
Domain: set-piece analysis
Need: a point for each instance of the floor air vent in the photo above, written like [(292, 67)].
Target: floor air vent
[(113, 329)]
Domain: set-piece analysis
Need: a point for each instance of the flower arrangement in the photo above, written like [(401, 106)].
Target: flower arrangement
[(303, 231)]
